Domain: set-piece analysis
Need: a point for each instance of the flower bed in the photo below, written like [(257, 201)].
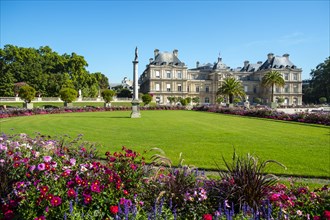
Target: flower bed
[(315, 118), (6, 113), (43, 178)]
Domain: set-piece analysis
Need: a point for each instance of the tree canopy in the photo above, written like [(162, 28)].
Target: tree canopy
[(47, 71), (319, 85), (231, 87), (272, 79)]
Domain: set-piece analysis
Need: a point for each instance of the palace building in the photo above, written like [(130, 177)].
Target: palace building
[(166, 76)]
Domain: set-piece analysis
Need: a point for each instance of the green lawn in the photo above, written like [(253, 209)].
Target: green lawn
[(202, 137)]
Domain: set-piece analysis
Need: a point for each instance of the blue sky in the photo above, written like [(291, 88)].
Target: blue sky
[(107, 32)]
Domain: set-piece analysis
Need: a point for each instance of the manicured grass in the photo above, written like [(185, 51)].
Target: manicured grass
[(203, 138)]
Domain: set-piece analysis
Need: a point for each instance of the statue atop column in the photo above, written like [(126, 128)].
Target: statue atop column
[(136, 54)]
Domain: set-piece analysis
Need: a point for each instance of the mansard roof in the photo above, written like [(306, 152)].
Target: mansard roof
[(166, 58), (277, 62), (219, 65), (253, 67)]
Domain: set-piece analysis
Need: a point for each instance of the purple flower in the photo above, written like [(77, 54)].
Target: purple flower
[(32, 167), (41, 166)]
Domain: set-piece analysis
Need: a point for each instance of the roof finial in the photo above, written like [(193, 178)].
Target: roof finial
[(219, 58)]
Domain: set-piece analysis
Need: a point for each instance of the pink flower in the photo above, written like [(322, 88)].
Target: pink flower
[(207, 217), (72, 161), (40, 218), (275, 197), (326, 214), (56, 201), (47, 158), (95, 188), (41, 166), (44, 189)]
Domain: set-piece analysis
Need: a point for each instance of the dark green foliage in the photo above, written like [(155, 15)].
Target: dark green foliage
[(320, 82), (47, 71), (245, 181), (323, 100), (68, 95), (195, 100), (107, 95), (171, 99), (272, 79), (124, 93), (146, 98), (27, 93)]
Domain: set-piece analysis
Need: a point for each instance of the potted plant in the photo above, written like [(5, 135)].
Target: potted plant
[(27, 93), (68, 95), (107, 96)]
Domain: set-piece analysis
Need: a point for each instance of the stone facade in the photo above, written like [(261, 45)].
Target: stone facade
[(166, 76)]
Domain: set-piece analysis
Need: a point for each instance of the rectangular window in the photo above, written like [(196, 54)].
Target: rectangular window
[(168, 87), (157, 87), (286, 76), (179, 88), (295, 88), (197, 88), (207, 89), (168, 74), (255, 90), (188, 89), (286, 88), (277, 89), (157, 74), (179, 75), (245, 88), (295, 76)]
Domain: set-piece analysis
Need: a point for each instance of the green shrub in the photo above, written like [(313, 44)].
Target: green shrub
[(108, 95), (146, 98), (68, 95), (257, 100), (27, 93), (323, 100), (220, 99)]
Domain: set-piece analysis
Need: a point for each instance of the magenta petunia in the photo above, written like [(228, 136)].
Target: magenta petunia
[(87, 199), (56, 201), (40, 218), (95, 188), (71, 193)]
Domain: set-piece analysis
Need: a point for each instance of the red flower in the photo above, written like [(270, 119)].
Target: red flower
[(44, 189), (16, 164), (326, 214), (56, 201), (316, 218), (71, 193), (207, 217), (87, 199), (114, 209), (50, 197)]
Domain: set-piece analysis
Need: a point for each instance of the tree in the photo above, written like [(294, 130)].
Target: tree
[(146, 98), (68, 95), (196, 100), (108, 95), (124, 93), (320, 82), (231, 87), (323, 100), (27, 93), (272, 79), (171, 99)]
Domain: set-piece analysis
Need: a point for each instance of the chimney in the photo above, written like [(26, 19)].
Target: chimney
[(156, 52), (286, 55), (270, 56), (150, 60), (175, 52), (259, 62), (246, 63), (197, 64)]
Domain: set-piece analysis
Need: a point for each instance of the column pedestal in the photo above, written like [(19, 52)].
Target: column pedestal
[(135, 109)]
